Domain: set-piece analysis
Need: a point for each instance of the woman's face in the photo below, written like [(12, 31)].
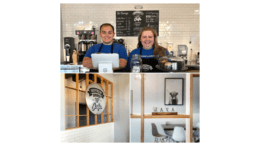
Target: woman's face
[(147, 39)]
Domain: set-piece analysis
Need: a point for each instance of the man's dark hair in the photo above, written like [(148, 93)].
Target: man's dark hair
[(107, 24)]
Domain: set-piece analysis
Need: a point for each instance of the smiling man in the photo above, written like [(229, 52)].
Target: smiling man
[(107, 34)]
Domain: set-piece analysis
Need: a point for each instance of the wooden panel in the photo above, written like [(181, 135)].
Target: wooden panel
[(160, 116), (142, 107), (112, 105), (196, 75), (191, 104), (95, 81), (135, 116), (77, 98), (164, 113), (192, 71), (107, 101), (102, 114), (70, 87), (87, 84), (166, 116)]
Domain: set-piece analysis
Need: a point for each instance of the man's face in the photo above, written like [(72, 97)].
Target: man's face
[(147, 39), (107, 34)]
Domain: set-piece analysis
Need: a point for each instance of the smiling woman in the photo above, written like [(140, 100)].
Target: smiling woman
[(148, 49)]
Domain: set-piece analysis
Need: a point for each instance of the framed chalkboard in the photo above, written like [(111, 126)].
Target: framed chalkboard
[(130, 23)]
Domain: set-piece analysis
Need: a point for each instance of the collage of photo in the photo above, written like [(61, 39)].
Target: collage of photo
[(130, 73)]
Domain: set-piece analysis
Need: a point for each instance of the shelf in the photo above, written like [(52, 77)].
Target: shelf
[(71, 87), (160, 116), (82, 90), (135, 116), (75, 88)]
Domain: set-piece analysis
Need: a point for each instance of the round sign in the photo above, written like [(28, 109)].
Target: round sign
[(95, 98)]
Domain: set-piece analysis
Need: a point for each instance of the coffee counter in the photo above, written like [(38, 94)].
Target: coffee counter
[(81, 69), (73, 69), (192, 70)]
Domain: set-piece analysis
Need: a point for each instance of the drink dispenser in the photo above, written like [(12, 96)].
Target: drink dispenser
[(87, 38)]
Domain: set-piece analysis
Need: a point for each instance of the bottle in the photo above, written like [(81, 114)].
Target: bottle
[(136, 63)]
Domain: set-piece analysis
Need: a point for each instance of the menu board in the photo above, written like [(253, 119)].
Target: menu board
[(130, 23)]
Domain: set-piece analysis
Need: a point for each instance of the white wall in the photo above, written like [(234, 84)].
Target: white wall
[(121, 107), (178, 23), (62, 102), (196, 100)]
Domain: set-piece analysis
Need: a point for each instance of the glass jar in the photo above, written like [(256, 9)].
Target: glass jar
[(170, 46), (136, 63)]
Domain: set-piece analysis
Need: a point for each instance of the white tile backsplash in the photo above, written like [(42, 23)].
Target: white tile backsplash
[(177, 21), (97, 133)]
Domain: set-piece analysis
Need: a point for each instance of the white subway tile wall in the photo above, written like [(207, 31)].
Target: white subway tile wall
[(178, 23), (97, 133)]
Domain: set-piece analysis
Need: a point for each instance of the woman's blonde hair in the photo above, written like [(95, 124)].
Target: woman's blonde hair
[(158, 50)]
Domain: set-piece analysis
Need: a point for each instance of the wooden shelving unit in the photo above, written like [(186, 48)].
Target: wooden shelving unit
[(146, 116), (79, 90)]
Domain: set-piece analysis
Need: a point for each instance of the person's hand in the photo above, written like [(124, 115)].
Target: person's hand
[(87, 62), (122, 63)]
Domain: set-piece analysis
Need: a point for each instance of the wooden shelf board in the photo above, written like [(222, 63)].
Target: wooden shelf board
[(135, 116), (71, 87), (166, 116), (161, 116), (82, 90)]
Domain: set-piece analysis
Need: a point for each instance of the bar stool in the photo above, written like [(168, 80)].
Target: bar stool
[(178, 134), (157, 135), (168, 132)]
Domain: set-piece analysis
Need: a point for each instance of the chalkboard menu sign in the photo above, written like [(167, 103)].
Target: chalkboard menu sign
[(130, 23)]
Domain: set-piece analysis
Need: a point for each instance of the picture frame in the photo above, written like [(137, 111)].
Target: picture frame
[(173, 91)]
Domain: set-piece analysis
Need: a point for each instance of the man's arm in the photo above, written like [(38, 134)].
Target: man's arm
[(87, 62)]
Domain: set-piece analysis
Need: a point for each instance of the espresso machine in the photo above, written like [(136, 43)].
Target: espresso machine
[(87, 38), (69, 47), (183, 52)]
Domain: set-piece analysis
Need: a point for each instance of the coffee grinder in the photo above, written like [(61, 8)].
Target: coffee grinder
[(69, 47), (87, 38)]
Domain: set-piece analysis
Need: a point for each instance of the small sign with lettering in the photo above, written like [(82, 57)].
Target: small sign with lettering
[(160, 109), (163, 111), (95, 98)]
